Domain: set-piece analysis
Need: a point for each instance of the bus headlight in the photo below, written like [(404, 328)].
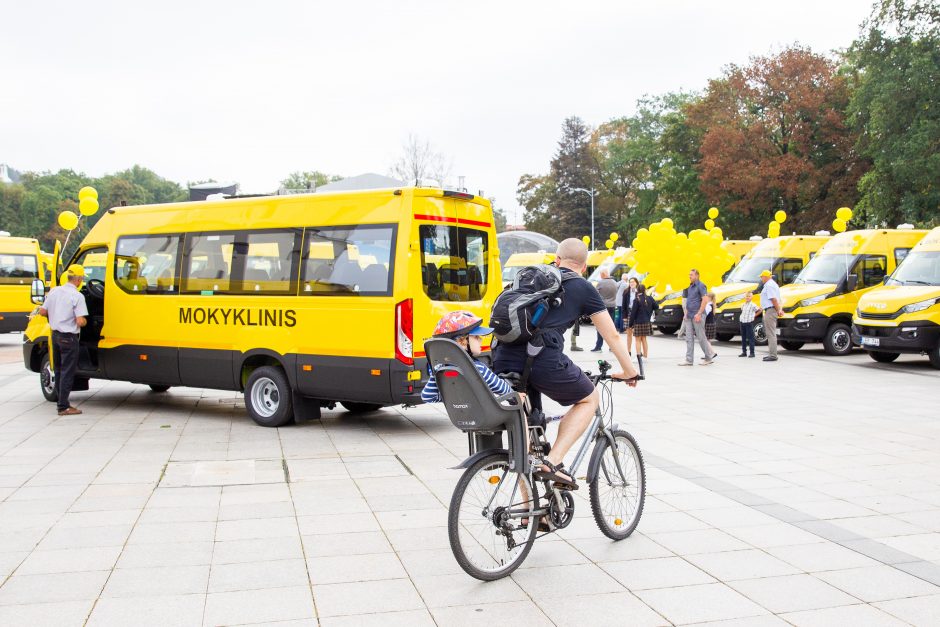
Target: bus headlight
[(809, 302), (922, 305), (731, 299)]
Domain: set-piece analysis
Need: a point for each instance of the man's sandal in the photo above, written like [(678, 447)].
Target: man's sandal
[(556, 474)]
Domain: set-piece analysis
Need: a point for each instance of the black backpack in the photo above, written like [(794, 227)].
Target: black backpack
[(520, 309)]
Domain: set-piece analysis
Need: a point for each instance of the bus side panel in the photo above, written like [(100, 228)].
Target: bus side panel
[(207, 368), (142, 364), (344, 378)]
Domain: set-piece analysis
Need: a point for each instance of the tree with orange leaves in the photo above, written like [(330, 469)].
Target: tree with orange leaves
[(775, 136)]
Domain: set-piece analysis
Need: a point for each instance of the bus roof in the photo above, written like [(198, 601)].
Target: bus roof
[(870, 241), (786, 245)]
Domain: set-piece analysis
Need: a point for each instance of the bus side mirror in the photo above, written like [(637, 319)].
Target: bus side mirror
[(884, 279), (37, 291), (851, 283)]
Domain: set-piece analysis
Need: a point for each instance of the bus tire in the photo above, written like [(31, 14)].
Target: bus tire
[(934, 356), (360, 408), (159, 388), (668, 330), (47, 380), (883, 357), (724, 337), (268, 397), (838, 339), (791, 345), (760, 337)]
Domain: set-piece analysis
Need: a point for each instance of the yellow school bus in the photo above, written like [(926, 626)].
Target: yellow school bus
[(819, 304), (298, 301), (784, 256), (597, 257), (903, 315), (19, 267)]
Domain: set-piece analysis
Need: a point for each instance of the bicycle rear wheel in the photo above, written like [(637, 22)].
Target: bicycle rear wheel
[(490, 525), (617, 500)]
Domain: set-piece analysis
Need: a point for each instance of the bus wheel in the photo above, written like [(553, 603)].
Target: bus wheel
[(934, 356), (360, 408), (760, 337), (838, 339), (668, 330), (882, 357), (268, 397), (159, 388), (47, 380), (724, 337), (791, 346)]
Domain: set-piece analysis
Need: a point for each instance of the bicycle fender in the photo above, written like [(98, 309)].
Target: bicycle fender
[(595, 463), (477, 457)]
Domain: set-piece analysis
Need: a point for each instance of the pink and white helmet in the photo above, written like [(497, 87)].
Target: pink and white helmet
[(459, 323)]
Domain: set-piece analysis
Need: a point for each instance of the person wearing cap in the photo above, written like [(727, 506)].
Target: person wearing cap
[(67, 312), (773, 308), (468, 331)]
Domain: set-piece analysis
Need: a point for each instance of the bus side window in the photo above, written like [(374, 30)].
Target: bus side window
[(789, 270), (209, 262)]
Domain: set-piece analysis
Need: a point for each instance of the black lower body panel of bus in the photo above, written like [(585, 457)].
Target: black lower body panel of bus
[(13, 321)]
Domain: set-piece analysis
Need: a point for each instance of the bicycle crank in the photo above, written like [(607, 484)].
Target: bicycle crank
[(560, 508)]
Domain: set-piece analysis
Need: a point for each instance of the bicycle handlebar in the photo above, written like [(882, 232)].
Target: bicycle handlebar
[(605, 367)]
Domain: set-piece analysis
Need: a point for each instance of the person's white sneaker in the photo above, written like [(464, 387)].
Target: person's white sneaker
[(685, 363)]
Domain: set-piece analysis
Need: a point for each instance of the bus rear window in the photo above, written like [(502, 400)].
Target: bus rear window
[(453, 262), (14, 269)]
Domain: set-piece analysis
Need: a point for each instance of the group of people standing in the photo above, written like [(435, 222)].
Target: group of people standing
[(631, 309)]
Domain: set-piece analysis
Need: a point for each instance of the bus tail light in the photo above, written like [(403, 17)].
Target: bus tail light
[(404, 332)]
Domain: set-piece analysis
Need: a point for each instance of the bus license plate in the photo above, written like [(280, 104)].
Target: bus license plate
[(871, 341)]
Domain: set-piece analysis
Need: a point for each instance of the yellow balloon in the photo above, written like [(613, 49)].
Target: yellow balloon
[(780, 216), (709, 224), (88, 192), (838, 225), (587, 240), (713, 213), (668, 222), (718, 232), (614, 237), (844, 214), (88, 206), (609, 244), (68, 220)]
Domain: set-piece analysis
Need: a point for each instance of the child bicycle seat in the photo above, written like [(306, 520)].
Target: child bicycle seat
[(469, 402)]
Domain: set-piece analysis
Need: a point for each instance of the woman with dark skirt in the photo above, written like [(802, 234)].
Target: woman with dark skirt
[(641, 316), (626, 306)]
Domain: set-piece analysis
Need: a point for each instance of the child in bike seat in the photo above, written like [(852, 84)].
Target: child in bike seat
[(466, 329)]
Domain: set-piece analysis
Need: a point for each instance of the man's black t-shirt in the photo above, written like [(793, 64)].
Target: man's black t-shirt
[(580, 299)]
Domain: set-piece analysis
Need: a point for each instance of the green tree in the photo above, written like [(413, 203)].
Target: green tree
[(896, 109), (308, 180)]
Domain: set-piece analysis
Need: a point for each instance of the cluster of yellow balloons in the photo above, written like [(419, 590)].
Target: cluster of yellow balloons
[(667, 256), (611, 241), (712, 216), (87, 206), (773, 229), (843, 216)]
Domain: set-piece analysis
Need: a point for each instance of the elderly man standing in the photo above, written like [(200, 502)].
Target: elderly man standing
[(773, 309), (695, 321), (607, 288), (65, 307)]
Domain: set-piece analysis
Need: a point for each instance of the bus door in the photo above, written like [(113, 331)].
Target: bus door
[(94, 260)]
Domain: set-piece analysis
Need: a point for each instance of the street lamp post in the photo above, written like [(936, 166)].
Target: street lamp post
[(591, 193)]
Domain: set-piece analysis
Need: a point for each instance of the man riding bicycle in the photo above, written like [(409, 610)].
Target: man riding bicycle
[(553, 373)]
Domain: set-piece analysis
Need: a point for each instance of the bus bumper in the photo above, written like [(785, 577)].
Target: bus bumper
[(728, 322), (803, 328), (669, 317), (916, 336)]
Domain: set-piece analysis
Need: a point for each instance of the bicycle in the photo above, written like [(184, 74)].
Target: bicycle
[(496, 512)]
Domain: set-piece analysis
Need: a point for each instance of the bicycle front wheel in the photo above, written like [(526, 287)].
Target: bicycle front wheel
[(490, 523), (619, 489)]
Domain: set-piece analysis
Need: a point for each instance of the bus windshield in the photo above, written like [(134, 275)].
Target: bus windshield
[(748, 271), (826, 269), (919, 268)]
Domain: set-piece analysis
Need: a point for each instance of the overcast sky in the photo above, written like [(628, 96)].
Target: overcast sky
[(251, 91)]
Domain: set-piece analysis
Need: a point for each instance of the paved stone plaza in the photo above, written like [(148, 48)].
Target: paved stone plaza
[(804, 492)]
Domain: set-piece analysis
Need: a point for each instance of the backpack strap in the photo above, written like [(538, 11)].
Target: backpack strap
[(532, 350)]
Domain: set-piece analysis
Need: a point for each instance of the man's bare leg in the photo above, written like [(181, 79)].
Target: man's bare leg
[(572, 427)]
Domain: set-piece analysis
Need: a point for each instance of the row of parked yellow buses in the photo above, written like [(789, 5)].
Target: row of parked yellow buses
[(301, 302)]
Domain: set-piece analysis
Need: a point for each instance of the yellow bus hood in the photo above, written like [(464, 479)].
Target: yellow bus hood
[(794, 293), (890, 298)]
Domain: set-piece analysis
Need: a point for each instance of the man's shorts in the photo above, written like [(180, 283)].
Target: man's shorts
[(560, 379)]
